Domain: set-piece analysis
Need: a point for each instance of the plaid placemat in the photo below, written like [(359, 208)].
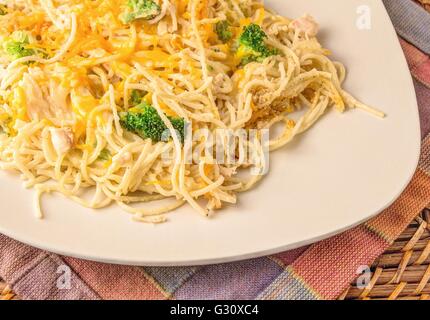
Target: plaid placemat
[(320, 271)]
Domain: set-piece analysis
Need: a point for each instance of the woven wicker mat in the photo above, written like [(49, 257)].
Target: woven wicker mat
[(402, 272)]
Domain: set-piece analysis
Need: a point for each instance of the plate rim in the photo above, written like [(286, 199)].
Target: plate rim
[(41, 244)]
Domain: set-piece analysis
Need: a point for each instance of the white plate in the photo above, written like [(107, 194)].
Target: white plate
[(345, 170)]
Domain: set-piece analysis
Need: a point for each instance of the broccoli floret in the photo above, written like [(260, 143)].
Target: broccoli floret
[(141, 9), (136, 97), (145, 121), (104, 155), (20, 45), (5, 127), (222, 29), (17, 46), (3, 10), (251, 45), (179, 125)]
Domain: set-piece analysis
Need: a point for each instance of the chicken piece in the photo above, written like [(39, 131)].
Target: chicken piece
[(222, 83), (305, 25), (37, 106), (262, 98), (62, 139), (228, 172)]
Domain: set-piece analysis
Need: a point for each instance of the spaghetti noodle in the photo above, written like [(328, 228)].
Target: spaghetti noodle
[(79, 78)]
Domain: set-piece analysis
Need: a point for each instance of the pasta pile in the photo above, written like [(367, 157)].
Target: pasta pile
[(87, 85)]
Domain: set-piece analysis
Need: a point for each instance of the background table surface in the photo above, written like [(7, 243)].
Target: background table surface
[(402, 272)]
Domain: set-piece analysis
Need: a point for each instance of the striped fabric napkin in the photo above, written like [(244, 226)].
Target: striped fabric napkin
[(320, 271)]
